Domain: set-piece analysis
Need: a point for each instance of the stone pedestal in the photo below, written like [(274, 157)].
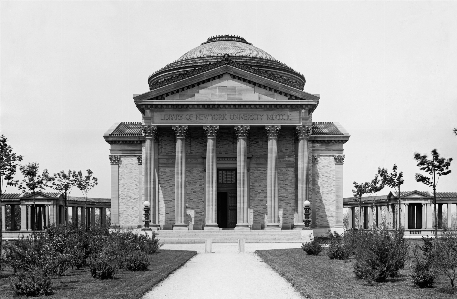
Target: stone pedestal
[(272, 178), (242, 207)]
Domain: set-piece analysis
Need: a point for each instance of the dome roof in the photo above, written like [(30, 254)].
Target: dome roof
[(233, 46), (223, 50)]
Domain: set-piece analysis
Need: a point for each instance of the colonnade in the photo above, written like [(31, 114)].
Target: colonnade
[(242, 132), (36, 217), (412, 215)]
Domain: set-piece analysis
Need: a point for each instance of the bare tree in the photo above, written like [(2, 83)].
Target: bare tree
[(8, 164), (437, 166)]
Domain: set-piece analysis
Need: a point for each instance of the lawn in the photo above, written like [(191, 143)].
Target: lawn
[(126, 285), (320, 277)]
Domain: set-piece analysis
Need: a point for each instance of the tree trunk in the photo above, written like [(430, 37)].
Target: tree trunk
[(434, 205), (399, 209)]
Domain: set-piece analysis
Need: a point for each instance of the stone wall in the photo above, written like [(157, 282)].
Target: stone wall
[(129, 184), (166, 195), (195, 193), (323, 197)]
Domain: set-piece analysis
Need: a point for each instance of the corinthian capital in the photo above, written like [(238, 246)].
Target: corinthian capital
[(211, 131), (242, 131), (114, 159), (272, 131), (303, 132), (339, 159), (150, 131), (180, 131)]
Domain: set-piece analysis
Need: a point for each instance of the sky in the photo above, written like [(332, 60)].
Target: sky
[(386, 71)]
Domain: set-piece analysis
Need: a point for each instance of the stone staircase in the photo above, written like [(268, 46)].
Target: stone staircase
[(232, 236)]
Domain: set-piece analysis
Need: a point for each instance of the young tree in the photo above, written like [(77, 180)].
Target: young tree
[(394, 180), (33, 182), (8, 163), (85, 182), (63, 182), (358, 191), (437, 166)]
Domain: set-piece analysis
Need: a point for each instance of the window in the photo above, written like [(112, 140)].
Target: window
[(226, 176)]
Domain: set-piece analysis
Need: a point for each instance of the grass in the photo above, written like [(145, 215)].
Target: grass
[(126, 285), (320, 277)]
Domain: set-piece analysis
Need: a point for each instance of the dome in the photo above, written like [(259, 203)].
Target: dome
[(226, 49), (220, 46)]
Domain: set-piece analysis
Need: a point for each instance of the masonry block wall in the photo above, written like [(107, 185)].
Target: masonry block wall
[(287, 174), (129, 189), (323, 192), (258, 173)]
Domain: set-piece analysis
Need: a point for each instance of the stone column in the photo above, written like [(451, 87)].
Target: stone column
[(3, 217), (350, 218), (424, 215), (272, 177), (23, 217), (83, 217), (149, 167), (211, 178), (405, 211), (303, 133), (339, 161), (92, 217), (242, 208), (74, 215), (103, 217), (449, 215), (180, 177), (115, 161)]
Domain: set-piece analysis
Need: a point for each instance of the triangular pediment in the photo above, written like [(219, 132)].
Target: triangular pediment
[(237, 75), (226, 89)]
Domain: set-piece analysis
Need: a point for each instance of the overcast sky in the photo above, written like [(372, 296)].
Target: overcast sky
[(387, 71)]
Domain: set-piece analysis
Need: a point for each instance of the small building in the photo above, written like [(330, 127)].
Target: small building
[(226, 140), (416, 213), (26, 212)]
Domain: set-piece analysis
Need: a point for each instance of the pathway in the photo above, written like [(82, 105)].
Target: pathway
[(225, 273)]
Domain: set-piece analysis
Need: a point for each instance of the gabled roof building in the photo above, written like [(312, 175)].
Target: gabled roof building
[(226, 140)]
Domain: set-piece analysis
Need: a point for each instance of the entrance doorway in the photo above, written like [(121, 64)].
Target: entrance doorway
[(226, 198)]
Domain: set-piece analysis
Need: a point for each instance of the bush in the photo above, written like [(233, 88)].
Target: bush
[(31, 283), (137, 261), (338, 249), (312, 248), (103, 265), (380, 254), (445, 255), (423, 274)]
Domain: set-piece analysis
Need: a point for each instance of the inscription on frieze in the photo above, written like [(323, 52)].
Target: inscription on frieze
[(226, 117)]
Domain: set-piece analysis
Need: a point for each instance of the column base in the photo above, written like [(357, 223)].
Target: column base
[(180, 226), (211, 226), (272, 226), (242, 226), (299, 226)]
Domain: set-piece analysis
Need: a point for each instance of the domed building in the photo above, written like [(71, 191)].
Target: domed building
[(226, 140)]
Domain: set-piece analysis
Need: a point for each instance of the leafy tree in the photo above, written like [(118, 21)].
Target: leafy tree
[(8, 163), (33, 182), (85, 182), (437, 166), (455, 131), (446, 255), (394, 180), (63, 182)]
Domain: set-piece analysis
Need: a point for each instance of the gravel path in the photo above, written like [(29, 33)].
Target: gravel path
[(225, 273)]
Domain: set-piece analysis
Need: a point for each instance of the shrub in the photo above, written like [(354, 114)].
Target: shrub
[(424, 274), (312, 248), (445, 255), (31, 283), (103, 265), (380, 254), (338, 249), (137, 261)]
